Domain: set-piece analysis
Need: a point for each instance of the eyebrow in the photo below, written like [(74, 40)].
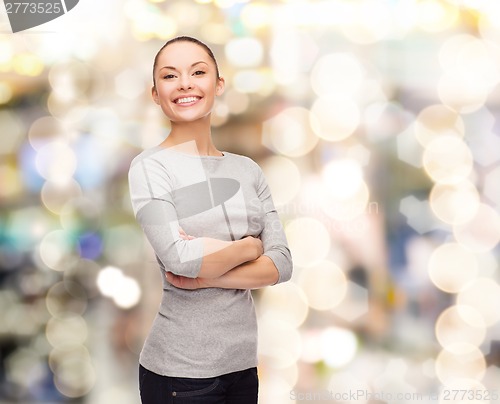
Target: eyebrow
[(173, 68)]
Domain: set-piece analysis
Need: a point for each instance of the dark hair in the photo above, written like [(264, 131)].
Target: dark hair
[(185, 39)]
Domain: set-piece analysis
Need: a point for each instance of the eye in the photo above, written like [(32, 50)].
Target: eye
[(168, 76), (199, 72)]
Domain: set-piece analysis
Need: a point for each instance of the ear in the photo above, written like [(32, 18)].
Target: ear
[(221, 85), (154, 94)]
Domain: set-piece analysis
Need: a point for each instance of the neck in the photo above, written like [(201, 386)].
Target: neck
[(198, 131)]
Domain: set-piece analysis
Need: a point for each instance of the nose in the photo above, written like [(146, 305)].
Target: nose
[(185, 82)]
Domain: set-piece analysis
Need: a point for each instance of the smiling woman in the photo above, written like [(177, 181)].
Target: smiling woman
[(186, 81), (211, 221)]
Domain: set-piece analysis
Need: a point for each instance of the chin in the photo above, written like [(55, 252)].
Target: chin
[(186, 116), (190, 118)]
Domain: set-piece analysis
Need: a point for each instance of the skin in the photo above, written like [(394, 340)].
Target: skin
[(185, 70)]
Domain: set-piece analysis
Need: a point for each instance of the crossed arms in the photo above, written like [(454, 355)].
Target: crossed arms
[(202, 262), (255, 271)]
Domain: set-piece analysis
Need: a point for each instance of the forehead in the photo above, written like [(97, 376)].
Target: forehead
[(182, 53)]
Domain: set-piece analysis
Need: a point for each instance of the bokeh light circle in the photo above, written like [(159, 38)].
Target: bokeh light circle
[(257, 15), (437, 120), (309, 240), (460, 361), (483, 295), (128, 294), (367, 21), (338, 346), (279, 342), (338, 74), (22, 362), (56, 161), (345, 194), (70, 112), (10, 178), (491, 189), (66, 297), (66, 332), (276, 169), (454, 326), (463, 92), (6, 92), (289, 132), (13, 130), (244, 52), (56, 250), (69, 80), (74, 378), (80, 213), (450, 50), (447, 159), (436, 16), (452, 267), (311, 349), (334, 118), (257, 81), (124, 290), (285, 301), (469, 55), (56, 194), (472, 70), (489, 22), (342, 178), (27, 64), (324, 284), (455, 203), (482, 232)]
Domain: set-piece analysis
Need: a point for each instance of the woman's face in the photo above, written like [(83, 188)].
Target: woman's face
[(186, 82)]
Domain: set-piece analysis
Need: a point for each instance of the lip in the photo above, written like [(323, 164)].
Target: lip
[(194, 101)]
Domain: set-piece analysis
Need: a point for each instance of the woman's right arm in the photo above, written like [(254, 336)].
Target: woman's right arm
[(155, 211)]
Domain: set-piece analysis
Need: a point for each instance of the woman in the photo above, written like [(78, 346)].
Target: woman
[(210, 219)]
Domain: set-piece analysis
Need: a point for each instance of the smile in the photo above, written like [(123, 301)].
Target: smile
[(186, 100)]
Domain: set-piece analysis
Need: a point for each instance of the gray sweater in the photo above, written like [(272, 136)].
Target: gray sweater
[(205, 332)]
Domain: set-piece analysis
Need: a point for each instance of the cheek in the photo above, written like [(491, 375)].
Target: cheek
[(164, 91)]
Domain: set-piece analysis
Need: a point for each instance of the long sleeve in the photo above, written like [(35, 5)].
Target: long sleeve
[(151, 197), (273, 236), (217, 199)]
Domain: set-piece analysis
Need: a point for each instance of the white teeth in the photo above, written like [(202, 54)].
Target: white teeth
[(185, 100)]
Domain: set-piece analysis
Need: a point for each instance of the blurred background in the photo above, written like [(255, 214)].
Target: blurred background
[(376, 125)]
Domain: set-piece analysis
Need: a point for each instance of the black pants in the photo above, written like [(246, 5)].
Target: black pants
[(233, 388)]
